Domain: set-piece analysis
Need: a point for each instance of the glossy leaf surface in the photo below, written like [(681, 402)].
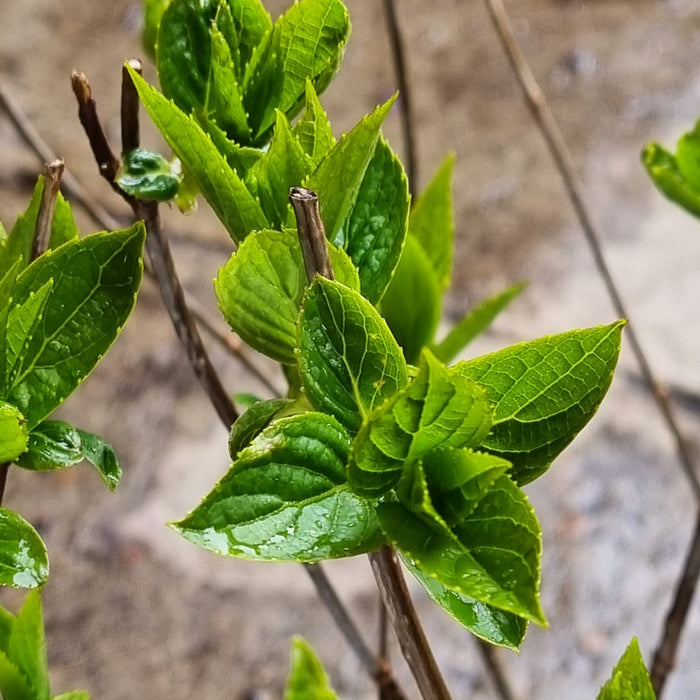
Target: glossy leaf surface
[(544, 392), (348, 359), (53, 444), (23, 559), (630, 678), (285, 498), (313, 130), (252, 422), (664, 171), (147, 175), (13, 432), (307, 678), (102, 456)]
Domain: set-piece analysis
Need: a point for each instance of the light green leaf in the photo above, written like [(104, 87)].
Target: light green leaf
[(95, 280), (13, 432), (252, 422), (431, 221), (7, 622), (152, 14), (53, 444), (102, 456), (285, 165), (313, 130), (474, 323), (663, 170), (240, 158), (348, 359), (338, 178), (688, 157), (73, 695), (438, 409), (486, 622), (630, 678), (492, 556), (377, 225), (7, 283), (251, 23), (13, 683), (307, 42), (544, 392), (413, 324), (285, 498), (236, 208), (147, 175), (261, 287), (27, 645), (307, 678), (23, 559)]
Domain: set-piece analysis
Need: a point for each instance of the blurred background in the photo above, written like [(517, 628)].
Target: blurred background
[(134, 611)]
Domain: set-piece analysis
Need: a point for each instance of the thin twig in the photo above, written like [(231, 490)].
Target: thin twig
[(399, 55), (412, 639), (131, 129), (47, 207), (495, 670), (312, 236), (544, 118)]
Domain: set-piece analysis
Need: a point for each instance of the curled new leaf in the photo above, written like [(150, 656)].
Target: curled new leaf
[(307, 678)]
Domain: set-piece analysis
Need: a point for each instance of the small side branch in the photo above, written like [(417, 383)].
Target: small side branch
[(312, 236)]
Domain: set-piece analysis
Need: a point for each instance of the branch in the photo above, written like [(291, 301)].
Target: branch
[(495, 670), (312, 236)]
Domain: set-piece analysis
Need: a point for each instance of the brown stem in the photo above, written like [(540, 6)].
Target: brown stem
[(312, 236), (399, 55), (412, 639), (131, 130), (47, 207), (495, 670), (4, 469)]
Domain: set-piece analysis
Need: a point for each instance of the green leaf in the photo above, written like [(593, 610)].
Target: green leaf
[(152, 14), (348, 359), (438, 409), (338, 178), (7, 283), (13, 432), (19, 243), (544, 392), (251, 23), (630, 678), (236, 208), (147, 175), (431, 221), (240, 158), (73, 695), (688, 157), (27, 645), (285, 165), (7, 622), (307, 678), (475, 323), (252, 422), (261, 287), (492, 556), (95, 280), (23, 559), (313, 130), (377, 225), (486, 622), (53, 444), (663, 170), (101, 455), (285, 498), (307, 42), (413, 324), (13, 683)]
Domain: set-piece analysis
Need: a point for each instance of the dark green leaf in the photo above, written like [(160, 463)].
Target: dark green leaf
[(147, 175), (23, 559), (13, 432), (339, 176), (236, 208), (663, 170), (307, 678), (492, 556), (544, 393), (252, 422), (95, 280), (413, 324), (474, 323), (53, 444), (102, 456), (630, 678), (348, 359), (7, 622), (261, 287), (285, 498), (431, 222), (486, 622), (313, 129)]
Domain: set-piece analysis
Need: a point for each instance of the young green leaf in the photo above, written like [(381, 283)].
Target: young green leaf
[(663, 170), (688, 157), (492, 556), (486, 622), (24, 562), (544, 392), (13, 432), (348, 359), (431, 222), (376, 228), (339, 175), (313, 130), (152, 14), (261, 287), (438, 409), (307, 42), (147, 175), (630, 678), (307, 677), (53, 444), (251, 22), (95, 280), (102, 456), (236, 208), (7, 283), (14, 685), (413, 324), (7, 622), (252, 422), (73, 695), (285, 498), (240, 158), (474, 323)]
